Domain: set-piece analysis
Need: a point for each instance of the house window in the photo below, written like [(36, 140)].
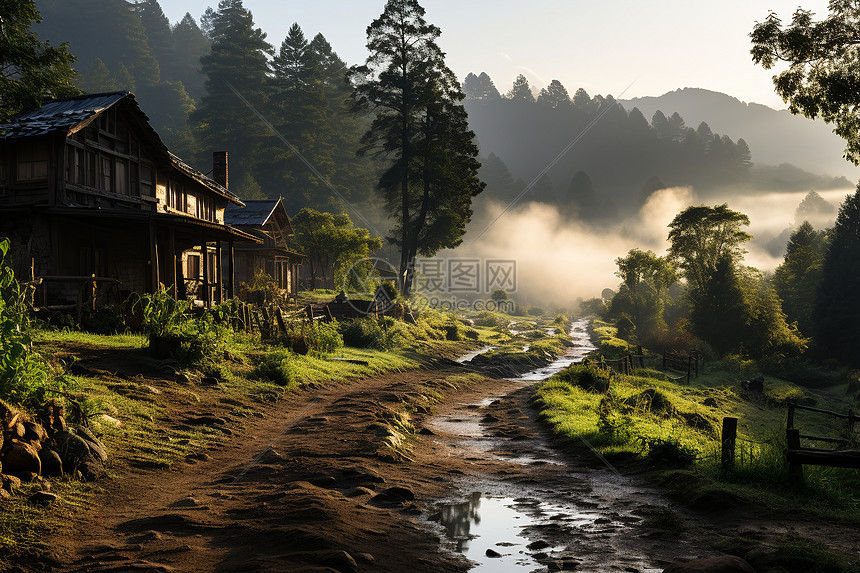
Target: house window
[(175, 198), (92, 168), (192, 267), (107, 174), (205, 208), (32, 162), (121, 183), (75, 165), (146, 179)]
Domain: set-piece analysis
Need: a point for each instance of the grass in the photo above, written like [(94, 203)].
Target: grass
[(620, 426), (126, 340)]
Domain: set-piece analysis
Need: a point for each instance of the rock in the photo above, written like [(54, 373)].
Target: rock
[(33, 431), (723, 564), (364, 557), (90, 468), (5, 494), (52, 465), (493, 554), (17, 431), (73, 450), (43, 497), (97, 449), (710, 402), (210, 381), (339, 560), (21, 458), (189, 501), (755, 386), (426, 432), (10, 483), (538, 545), (328, 482), (395, 495), (27, 477)]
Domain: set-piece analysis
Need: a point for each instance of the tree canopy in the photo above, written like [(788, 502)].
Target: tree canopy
[(30, 70), (420, 130), (822, 56), (701, 236)]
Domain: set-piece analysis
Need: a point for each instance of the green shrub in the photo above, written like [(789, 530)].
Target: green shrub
[(668, 451), (369, 332), (276, 367), (536, 311)]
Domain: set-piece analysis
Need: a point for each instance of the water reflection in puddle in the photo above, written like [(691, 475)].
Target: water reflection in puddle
[(485, 524)]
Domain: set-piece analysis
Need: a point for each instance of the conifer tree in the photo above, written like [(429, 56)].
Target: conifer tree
[(238, 59), (521, 91), (420, 128), (191, 44), (554, 96), (837, 309)]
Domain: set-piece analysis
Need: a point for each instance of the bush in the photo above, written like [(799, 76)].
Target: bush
[(276, 368), (317, 337), (585, 377), (536, 311), (369, 332), (668, 452), (103, 320)]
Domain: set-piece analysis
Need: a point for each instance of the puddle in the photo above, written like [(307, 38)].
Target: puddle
[(582, 523), (486, 524)]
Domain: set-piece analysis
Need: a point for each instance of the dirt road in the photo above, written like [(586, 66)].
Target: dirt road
[(314, 486)]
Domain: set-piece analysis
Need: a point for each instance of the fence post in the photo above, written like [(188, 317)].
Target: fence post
[(795, 468), (790, 421), (729, 437)]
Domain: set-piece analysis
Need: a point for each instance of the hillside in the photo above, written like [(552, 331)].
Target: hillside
[(774, 136)]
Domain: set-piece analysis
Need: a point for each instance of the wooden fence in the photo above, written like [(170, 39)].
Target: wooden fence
[(799, 455)]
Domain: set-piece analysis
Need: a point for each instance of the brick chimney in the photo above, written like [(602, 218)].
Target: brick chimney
[(219, 168)]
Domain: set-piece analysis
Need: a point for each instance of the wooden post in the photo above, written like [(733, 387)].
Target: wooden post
[(281, 325), (790, 422), (231, 272), (207, 293), (729, 437), (641, 357), (171, 245), (219, 280), (153, 255), (795, 468)]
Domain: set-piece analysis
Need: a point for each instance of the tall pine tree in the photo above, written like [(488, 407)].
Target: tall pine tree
[(238, 60), (420, 129)]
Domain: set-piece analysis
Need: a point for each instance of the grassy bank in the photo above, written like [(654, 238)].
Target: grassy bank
[(676, 427)]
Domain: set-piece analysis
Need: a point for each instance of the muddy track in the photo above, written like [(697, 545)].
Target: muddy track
[(310, 486)]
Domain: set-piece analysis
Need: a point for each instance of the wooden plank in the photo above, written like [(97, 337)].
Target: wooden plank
[(820, 411), (846, 459)]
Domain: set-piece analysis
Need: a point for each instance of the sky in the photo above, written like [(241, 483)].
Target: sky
[(626, 48)]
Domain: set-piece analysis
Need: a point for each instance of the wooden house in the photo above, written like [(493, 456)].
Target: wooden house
[(267, 220), (95, 204)]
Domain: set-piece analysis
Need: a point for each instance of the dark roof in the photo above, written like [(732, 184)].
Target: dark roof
[(61, 115), (72, 114), (256, 212), (189, 171)]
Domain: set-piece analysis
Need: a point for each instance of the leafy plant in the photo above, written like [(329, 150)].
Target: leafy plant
[(24, 374), (162, 314)]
